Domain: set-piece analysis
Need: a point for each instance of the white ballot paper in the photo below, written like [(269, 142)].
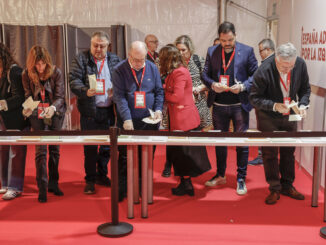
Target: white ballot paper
[(92, 81), (296, 116), (150, 119), (30, 103)]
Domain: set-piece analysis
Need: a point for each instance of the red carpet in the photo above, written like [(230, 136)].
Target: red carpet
[(213, 216)]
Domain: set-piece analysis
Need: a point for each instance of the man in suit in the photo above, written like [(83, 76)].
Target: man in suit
[(266, 51), (277, 82), (228, 75), (95, 105)]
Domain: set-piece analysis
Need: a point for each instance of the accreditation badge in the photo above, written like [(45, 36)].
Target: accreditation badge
[(40, 110), (100, 86), (286, 101), (224, 80), (140, 99)]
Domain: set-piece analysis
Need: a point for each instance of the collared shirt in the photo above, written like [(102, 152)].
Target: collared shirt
[(104, 100)]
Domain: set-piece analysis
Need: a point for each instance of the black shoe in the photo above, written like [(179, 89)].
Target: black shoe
[(89, 188), (103, 180), (167, 170), (122, 195), (55, 189), (42, 196), (257, 161), (185, 187)]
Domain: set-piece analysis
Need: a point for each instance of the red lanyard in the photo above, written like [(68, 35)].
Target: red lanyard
[(43, 95), (150, 55), (288, 81), (230, 60), (101, 67), (135, 76)]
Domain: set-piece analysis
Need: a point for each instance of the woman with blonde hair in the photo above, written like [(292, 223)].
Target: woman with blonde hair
[(44, 82)]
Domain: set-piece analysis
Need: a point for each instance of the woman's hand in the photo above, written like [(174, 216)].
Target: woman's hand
[(27, 112), (48, 112)]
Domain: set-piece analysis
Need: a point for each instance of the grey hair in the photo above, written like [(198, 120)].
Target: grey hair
[(286, 51), (267, 43), (102, 35), (138, 45)]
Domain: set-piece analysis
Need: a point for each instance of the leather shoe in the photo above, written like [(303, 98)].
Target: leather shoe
[(103, 180), (56, 190), (272, 198), (293, 193), (167, 170), (89, 188)]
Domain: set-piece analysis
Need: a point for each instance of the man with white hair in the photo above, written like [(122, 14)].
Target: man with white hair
[(137, 88), (277, 82)]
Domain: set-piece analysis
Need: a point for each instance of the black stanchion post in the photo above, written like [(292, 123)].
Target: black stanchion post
[(114, 228), (323, 229)]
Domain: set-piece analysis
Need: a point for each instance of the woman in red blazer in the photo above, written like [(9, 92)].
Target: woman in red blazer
[(188, 161)]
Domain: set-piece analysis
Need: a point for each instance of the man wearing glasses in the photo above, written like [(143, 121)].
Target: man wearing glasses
[(266, 51), (152, 44), (90, 80), (278, 82), (137, 88)]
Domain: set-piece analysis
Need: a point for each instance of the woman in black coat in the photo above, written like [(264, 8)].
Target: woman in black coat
[(12, 157)]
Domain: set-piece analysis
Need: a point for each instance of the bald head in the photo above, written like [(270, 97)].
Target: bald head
[(137, 54)]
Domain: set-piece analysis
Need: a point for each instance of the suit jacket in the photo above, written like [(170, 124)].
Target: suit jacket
[(266, 88), (55, 88), (183, 113), (245, 65), (12, 91)]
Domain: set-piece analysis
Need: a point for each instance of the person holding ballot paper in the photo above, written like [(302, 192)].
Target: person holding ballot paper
[(90, 79), (137, 89), (43, 82), (228, 75), (12, 157), (280, 90)]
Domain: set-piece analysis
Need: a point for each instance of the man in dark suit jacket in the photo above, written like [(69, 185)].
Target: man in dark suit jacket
[(277, 82), (228, 75)]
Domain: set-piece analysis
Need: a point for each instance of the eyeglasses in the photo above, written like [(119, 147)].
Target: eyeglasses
[(156, 41), (101, 46), (137, 60), (261, 50)]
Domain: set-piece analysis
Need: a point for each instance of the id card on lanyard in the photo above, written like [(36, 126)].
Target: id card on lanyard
[(140, 96), (41, 106), (100, 83), (286, 100), (225, 79)]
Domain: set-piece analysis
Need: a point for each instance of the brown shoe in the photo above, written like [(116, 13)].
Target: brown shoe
[(293, 193), (272, 197)]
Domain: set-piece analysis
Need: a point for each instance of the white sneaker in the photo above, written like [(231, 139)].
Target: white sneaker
[(11, 194), (241, 187), (3, 190)]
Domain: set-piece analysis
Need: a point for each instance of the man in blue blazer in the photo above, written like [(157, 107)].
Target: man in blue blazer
[(228, 74)]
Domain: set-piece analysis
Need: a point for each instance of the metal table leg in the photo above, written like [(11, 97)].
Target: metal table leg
[(144, 188), (315, 180), (136, 174), (130, 180), (150, 174)]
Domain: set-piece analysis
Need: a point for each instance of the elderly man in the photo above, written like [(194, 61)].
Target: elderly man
[(152, 44), (137, 88), (228, 75), (266, 51), (277, 82), (90, 80)]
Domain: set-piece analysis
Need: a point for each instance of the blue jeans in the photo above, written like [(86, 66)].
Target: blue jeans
[(222, 115), (12, 166), (93, 156)]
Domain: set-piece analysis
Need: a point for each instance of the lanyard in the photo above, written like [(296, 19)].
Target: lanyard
[(230, 60), (150, 55), (101, 67), (43, 95), (135, 76), (288, 81)]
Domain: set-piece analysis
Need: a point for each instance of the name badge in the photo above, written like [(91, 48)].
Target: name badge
[(286, 101), (100, 86), (40, 110), (140, 99), (224, 80)]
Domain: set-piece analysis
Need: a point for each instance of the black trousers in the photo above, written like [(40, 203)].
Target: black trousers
[(278, 173), (41, 153)]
